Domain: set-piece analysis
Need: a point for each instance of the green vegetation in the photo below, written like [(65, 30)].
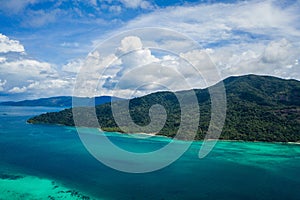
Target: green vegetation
[(259, 108)]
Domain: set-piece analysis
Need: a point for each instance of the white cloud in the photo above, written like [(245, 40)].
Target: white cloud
[(215, 22), (50, 87), (33, 77), (130, 43), (277, 51), (49, 84), (203, 72), (132, 54), (246, 37), (73, 66), (103, 71), (92, 73), (17, 90), (276, 58), (8, 45), (115, 9), (38, 18), (137, 4), (137, 71), (26, 68), (25, 76)]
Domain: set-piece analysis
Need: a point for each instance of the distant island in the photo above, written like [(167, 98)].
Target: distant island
[(259, 108), (61, 101)]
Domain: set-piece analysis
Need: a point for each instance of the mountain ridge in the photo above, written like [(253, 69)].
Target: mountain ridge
[(61, 101), (259, 108)]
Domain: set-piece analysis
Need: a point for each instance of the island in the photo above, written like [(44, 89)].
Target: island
[(61, 101), (259, 108)]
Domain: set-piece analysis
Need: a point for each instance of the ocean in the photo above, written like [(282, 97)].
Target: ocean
[(50, 162)]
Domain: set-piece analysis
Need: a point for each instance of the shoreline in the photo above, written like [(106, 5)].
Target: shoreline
[(222, 140), (155, 135)]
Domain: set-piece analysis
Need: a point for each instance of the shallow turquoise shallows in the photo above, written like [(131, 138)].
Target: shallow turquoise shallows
[(48, 161)]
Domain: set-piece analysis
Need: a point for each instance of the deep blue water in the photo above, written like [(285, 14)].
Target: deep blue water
[(233, 170)]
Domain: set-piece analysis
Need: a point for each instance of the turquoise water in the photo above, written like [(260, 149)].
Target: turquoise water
[(48, 154)]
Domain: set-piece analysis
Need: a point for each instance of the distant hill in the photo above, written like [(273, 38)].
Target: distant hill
[(61, 101), (259, 108)]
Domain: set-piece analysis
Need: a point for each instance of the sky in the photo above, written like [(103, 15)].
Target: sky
[(45, 44)]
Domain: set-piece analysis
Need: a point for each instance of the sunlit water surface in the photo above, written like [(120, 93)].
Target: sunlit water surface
[(50, 161)]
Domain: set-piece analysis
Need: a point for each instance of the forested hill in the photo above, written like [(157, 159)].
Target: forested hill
[(61, 101), (259, 108)]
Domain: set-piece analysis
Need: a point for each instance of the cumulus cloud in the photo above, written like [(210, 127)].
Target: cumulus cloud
[(277, 51), (28, 75), (17, 68), (92, 73), (246, 37), (20, 74), (27, 68), (8, 45), (73, 66), (142, 71), (132, 54), (276, 58), (49, 84), (136, 70), (259, 37), (202, 68), (130, 43)]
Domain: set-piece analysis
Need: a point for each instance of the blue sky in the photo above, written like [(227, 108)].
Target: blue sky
[(43, 43), (63, 25)]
